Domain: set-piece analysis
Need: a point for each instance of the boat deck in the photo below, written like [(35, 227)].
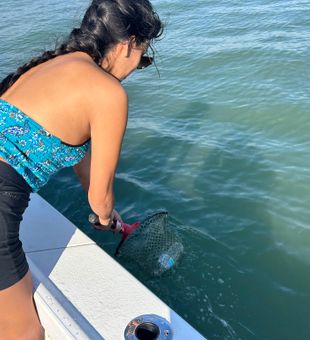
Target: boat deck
[(81, 292)]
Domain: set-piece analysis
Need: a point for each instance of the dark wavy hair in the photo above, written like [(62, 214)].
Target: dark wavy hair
[(105, 23)]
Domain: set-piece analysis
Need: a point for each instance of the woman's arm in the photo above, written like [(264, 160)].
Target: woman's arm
[(107, 124), (82, 170)]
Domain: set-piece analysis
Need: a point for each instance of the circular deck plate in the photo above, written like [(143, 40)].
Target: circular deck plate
[(165, 331)]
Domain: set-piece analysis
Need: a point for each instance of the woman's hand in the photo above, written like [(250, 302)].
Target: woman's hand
[(114, 217), (113, 223)]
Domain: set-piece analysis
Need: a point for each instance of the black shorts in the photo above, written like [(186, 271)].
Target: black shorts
[(14, 199)]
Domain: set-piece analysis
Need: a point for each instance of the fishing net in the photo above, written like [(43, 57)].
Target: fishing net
[(155, 246)]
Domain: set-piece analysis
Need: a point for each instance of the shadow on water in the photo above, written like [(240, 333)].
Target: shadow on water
[(267, 287)]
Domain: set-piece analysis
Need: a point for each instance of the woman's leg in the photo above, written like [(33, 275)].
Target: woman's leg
[(18, 316)]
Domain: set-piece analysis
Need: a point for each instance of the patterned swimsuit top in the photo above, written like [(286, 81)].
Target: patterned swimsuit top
[(31, 150)]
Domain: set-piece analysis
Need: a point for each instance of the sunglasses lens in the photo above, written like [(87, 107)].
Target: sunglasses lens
[(145, 62)]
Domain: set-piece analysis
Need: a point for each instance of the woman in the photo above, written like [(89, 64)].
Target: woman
[(50, 109)]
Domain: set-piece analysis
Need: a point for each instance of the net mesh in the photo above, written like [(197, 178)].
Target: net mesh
[(155, 246)]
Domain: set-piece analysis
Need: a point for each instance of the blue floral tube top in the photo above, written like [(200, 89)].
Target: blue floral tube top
[(31, 150)]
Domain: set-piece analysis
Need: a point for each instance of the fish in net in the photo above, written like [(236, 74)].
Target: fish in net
[(154, 245)]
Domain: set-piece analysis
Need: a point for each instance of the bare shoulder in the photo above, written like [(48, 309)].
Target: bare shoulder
[(100, 91), (106, 96)]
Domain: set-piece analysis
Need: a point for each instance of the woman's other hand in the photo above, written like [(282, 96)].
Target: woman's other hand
[(117, 216)]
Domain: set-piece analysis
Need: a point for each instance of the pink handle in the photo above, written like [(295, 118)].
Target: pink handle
[(129, 228)]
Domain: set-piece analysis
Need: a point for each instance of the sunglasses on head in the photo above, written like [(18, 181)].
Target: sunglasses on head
[(145, 61)]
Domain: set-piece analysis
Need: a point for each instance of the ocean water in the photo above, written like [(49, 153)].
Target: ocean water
[(221, 141)]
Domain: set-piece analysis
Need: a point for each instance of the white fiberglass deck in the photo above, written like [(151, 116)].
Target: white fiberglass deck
[(81, 292)]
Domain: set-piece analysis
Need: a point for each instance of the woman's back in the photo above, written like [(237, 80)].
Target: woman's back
[(59, 94)]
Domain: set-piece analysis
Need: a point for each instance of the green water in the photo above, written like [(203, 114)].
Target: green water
[(221, 141)]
